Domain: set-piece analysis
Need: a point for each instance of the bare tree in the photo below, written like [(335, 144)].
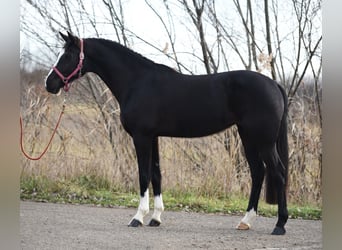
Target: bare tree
[(196, 17), (268, 38)]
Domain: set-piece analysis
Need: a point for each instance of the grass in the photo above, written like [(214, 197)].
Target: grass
[(93, 190)]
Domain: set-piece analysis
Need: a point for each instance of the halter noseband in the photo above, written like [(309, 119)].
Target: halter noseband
[(78, 69)]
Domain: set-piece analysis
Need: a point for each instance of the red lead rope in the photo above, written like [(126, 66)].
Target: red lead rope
[(66, 80), (53, 133)]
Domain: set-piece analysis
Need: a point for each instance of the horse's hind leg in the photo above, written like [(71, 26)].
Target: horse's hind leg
[(156, 184), (278, 175), (257, 173)]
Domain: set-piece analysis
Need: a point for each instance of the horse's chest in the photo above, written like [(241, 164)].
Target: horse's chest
[(138, 119)]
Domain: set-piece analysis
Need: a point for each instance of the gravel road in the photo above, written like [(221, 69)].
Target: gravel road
[(62, 226)]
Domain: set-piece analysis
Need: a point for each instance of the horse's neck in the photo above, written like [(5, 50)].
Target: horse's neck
[(111, 69)]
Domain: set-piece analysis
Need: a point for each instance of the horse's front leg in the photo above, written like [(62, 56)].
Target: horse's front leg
[(156, 184), (143, 147)]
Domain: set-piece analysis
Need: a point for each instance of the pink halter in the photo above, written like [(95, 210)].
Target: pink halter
[(78, 69)]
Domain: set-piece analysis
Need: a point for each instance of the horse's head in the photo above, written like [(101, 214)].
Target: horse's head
[(68, 65)]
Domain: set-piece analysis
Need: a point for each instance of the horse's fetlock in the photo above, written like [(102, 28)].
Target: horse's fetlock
[(144, 211)]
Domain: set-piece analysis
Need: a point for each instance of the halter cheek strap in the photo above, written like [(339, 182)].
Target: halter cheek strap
[(78, 69)]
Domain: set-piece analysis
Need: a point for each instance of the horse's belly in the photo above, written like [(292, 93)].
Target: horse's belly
[(195, 125)]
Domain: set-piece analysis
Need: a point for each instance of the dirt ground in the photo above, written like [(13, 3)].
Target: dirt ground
[(61, 226)]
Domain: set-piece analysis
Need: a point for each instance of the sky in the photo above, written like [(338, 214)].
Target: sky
[(141, 20)]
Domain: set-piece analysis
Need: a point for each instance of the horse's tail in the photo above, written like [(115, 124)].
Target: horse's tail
[(283, 152)]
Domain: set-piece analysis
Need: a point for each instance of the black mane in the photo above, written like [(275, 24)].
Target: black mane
[(129, 54)]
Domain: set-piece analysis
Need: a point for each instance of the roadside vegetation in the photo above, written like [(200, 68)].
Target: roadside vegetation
[(90, 190)]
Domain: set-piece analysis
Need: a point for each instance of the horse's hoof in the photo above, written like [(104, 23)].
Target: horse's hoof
[(279, 231), (154, 223), (135, 223), (242, 226)]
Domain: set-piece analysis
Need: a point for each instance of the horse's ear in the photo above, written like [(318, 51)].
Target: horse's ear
[(69, 37), (73, 38), (65, 37)]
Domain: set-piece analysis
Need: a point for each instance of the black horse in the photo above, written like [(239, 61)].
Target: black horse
[(155, 100)]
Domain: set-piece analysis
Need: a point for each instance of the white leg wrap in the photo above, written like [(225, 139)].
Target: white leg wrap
[(247, 220), (158, 207), (143, 208)]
